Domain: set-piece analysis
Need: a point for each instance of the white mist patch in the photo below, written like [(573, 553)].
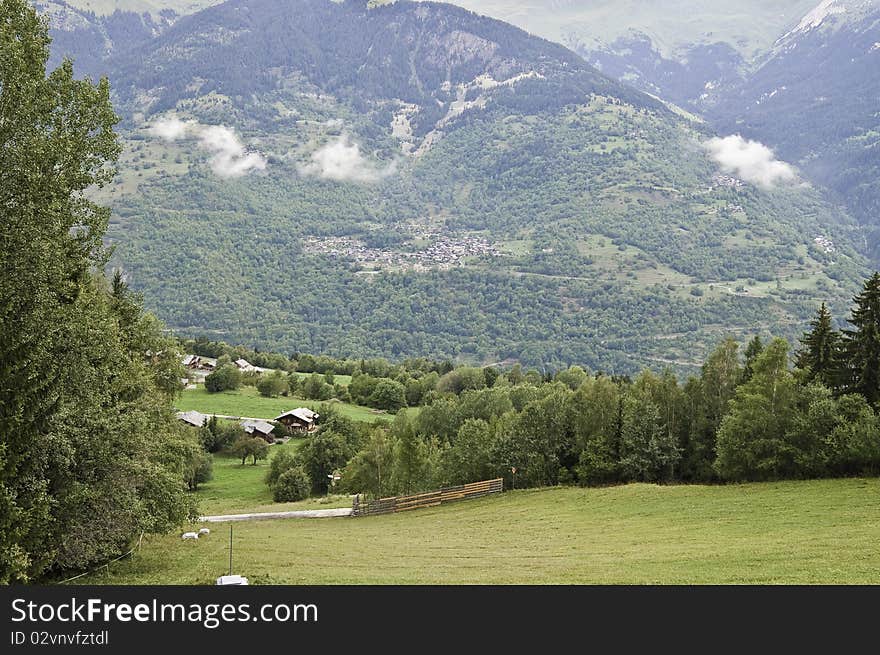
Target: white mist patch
[(342, 161), (749, 160), (171, 128), (229, 157)]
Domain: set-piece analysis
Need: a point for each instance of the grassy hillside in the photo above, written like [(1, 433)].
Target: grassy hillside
[(793, 532)]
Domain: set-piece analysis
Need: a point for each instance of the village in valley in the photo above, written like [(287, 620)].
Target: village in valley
[(436, 248)]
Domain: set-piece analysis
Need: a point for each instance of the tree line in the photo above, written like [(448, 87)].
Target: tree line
[(764, 414)]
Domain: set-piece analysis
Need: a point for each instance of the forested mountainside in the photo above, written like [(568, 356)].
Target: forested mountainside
[(414, 179), (815, 100)]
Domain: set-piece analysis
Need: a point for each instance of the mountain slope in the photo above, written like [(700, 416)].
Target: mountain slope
[(415, 179), (679, 50), (815, 99)]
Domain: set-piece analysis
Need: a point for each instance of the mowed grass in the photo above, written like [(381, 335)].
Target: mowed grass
[(824, 531), (342, 380), (247, 401), (239, 489)]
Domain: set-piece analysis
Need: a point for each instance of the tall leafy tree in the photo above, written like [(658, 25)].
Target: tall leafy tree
[(819, 353), (861, 345), (91, 454), (750, 443)]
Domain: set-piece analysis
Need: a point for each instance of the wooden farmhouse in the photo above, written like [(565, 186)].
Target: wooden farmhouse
[(193, 418), (262, 429), (301, 419), (198, 363)]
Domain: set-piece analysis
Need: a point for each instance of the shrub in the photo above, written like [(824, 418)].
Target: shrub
[(225, 377), (292, 485), (280, 463), (272, 385)]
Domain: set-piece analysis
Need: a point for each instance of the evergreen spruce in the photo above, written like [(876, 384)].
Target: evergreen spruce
[(861, 345), (754, 348), (820, 352)]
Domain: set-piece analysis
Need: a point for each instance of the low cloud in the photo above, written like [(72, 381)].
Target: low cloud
[(342, 161), (171, 128), (229, 157), (750, 161)]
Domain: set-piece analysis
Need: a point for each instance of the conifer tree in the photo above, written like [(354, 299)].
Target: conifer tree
[(754, 348), (861, 345), (820, 352)]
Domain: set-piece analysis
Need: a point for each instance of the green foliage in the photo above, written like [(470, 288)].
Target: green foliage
[(200, 468), (322, 453), (218, 435), (315, 387), (278, 464), (389, 395), (371, 470), (92, 455), (751, 442), (272, 385), (468, 459), (462, 379), (861, 345), (820, 352), (252, 447), (292, 485), (225, 378)]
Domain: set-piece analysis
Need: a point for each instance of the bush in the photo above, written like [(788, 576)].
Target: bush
[(280, 464), (272, 385), (224, 378), (389, 395), (292, 485), (217, 435), (199, 469)]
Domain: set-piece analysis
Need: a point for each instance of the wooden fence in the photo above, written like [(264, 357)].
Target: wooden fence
[(428, 499)]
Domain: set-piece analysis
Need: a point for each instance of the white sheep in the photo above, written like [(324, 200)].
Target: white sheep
[(204, 531), (190, 535)]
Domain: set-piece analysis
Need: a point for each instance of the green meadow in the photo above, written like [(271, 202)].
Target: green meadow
[(239, 489), (802, 532), (246, 401)]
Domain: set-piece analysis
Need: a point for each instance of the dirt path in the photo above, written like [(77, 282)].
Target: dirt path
[(301, 514)]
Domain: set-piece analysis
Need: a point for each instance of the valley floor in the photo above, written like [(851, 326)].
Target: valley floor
[(823, 532)]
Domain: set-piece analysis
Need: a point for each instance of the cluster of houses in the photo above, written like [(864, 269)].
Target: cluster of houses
[(208, 364), (442, 252), (296, 421)]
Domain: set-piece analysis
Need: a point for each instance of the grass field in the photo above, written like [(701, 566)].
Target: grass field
[(246, 401), (792, 532), (342, 380), (236, 489)]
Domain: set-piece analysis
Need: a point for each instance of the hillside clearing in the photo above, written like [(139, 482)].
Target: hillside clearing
[(246, 401), (789, 532)]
